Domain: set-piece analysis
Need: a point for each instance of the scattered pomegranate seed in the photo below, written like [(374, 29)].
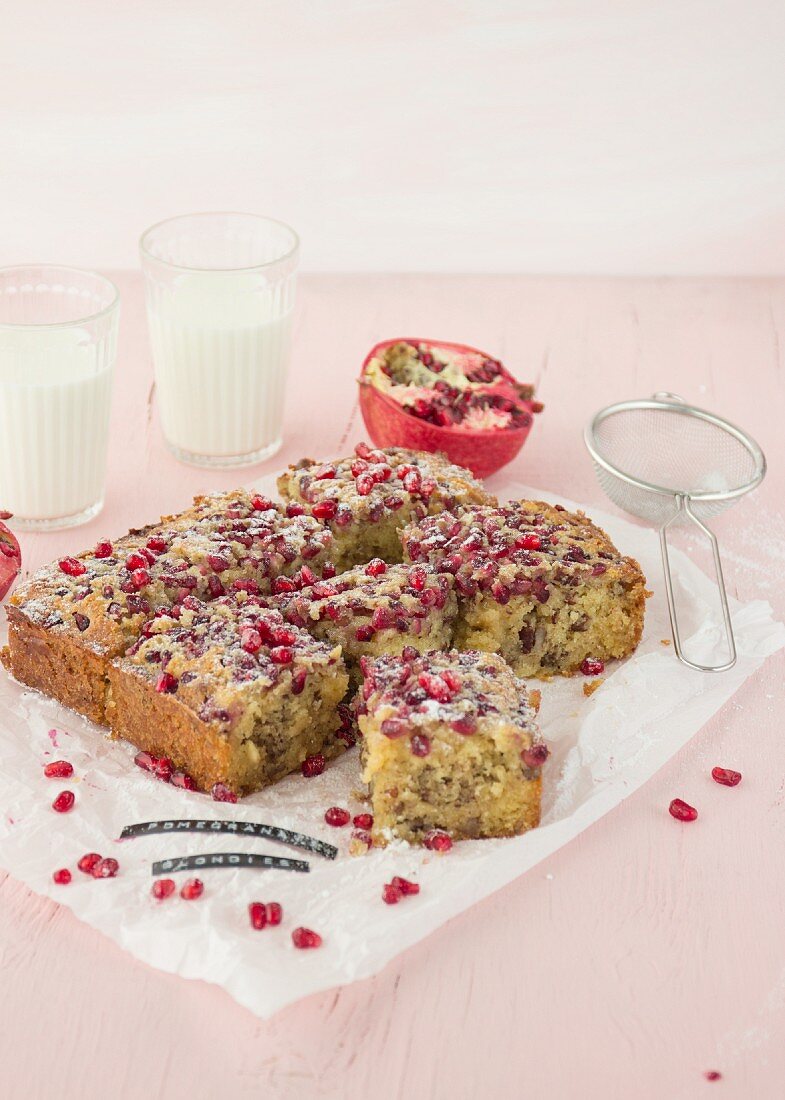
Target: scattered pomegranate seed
[(713, 1075), (592, 666), (64, 802), (192, 889), (72, 567), (62, 877), (304, 937), (536, 756), (61, 769), (163, 769), (222, 793), (257, 911), (682, 811), (312, 765), (337, 816), (324, 509), (103, 549), (420, 744), (105, 868), (405, 886), (362, 821), (87, 862), (145, 761), (726, 776), (437, 840), (166, 683), (274, 912), (183, 780), (376, 567), (391, 894), (163, 888)]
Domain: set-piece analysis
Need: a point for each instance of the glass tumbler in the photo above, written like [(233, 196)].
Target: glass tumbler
[(58, 340), (220, 297)]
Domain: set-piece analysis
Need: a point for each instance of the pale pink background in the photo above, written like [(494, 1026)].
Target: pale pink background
[(641, 955), (594, 136)]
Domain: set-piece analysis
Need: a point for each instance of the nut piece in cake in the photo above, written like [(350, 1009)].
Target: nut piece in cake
[(368, 497), (450, 742), (543, 587), (377, 609), (229, 692), (72, 617)]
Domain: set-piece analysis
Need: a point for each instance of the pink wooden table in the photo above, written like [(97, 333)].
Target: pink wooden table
[(640, 956)]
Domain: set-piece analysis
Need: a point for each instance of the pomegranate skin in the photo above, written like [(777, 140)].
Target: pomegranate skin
[(389, 425)]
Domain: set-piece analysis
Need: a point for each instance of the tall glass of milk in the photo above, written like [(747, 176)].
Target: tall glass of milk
[(220, 296), (58, 338)]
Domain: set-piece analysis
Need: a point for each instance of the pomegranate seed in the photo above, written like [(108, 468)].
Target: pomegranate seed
[(726, 776), (62, 877), (405, 886), (64, 802), (436, 686), (312, 765), (324, 473), (437, 840), (140, 578), (222, 793), (183, 780), (135, 561), (293, 509), (376, 567), (362, 821), (87, 862), (324, 509), (713, 1075), (304, 937), (592, 666), (465, 724), (145, 761), (364, 484), (282, 654), (103, 549), (250, 639), (391, 894), (157, 545), (164, 769), (166, 683), (163, 888), (364, 633), (105, 868), (682, 811), (192, 889), (337, 816), (274, 912), (536, 756), (417, 578), (61, 769), (257, 911), (72, 567), (420, 744), (261, 504)]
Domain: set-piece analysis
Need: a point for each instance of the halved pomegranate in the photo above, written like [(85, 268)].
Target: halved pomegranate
[(10, 556), (434, 396)]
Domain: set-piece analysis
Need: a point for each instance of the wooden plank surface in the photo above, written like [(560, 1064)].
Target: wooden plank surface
[(626, 965)]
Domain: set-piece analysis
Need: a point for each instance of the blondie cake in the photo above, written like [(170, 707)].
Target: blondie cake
[(377, 609), (543, 587), (450, 743), (368, 497), (74, 616), (229, 692)]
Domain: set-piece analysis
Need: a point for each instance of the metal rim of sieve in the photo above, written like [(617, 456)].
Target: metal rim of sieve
[(683, 501)]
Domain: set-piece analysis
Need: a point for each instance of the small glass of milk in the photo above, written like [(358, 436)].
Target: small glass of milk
[(220, 295), (58, 338)]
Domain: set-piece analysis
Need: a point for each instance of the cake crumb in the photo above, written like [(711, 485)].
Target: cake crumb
[(590, 687), (665, 641), (535, 698)]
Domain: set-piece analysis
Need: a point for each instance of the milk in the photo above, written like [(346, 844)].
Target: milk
[(55, 392), (221, 343)]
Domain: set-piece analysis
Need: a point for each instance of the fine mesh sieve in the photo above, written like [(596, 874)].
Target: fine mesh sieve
[(663, 459)]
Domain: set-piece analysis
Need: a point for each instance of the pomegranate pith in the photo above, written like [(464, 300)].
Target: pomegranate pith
[(437, 396)]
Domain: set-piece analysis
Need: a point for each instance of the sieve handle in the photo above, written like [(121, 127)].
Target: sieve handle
[(685, 509)]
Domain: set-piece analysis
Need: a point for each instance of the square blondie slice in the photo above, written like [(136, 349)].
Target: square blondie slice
[(377, 609), (543, 587), (449, 743), (366, 498), (229, 693)]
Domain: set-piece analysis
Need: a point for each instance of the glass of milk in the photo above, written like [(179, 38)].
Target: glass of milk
[(220, 295), (58, 338)]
